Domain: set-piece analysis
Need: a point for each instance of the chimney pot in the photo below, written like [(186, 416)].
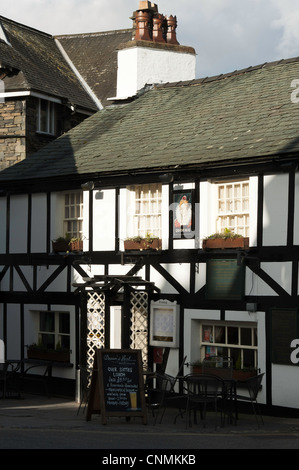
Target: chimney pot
[(171, 30), (143, 26), (158, 28)]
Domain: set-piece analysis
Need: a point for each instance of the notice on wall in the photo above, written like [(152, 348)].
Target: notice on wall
[(117, 384), (225, 280)]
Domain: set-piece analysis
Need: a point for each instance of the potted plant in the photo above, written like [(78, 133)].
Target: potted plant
[(67, 243), (75, 244), (39, 351), (197, 367), (148, 242), (61, 244), (225, 240)]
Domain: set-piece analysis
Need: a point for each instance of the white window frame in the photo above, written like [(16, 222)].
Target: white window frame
[(145, 210), (56, 333), (73, 218), (204, 342), (233, 207), (50, 117)]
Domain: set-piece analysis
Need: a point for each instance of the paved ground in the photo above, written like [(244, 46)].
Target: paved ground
[(36, 422)]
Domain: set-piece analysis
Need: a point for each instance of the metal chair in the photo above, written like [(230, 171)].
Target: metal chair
[(201, 391), (157, 387), (170, 394), (9, 379), (253, 385)]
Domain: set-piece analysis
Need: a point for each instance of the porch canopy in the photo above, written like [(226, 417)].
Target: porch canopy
[(114, 283)]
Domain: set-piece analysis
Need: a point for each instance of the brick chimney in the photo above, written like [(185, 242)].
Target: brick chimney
[(154, 55)]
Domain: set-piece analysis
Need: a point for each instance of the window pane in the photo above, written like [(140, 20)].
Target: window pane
[(246, 336), (64, 342), (64, 323), (43, 116), (207, 334), (48, 341), (232, 335), (248, 358), (235, 354), (47, 321), (219, 334)]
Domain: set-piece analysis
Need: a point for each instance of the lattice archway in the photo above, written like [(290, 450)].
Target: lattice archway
[(95, 324), (139, 323)]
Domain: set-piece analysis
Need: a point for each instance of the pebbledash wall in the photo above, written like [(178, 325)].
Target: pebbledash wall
[(21, 317)]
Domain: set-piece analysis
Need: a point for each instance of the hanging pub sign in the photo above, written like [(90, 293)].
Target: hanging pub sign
[(183, 213), (117, 386), (225, 280)]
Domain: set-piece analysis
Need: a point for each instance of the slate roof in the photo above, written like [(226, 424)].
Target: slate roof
[(95, 57), (230, 119), (39, 65)]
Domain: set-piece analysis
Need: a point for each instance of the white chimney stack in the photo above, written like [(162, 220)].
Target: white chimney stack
[(154, 55)]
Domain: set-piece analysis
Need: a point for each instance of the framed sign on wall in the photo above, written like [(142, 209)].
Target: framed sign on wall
[(225, 280), (164, 324)]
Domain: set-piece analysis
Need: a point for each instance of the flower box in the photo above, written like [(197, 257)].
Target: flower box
[(225, 243), (64, 245), (143, 244), (60, 246), (76, 245), (48, 355), (239, 375)]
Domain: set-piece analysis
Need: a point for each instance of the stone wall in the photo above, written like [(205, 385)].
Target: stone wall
[(12, 132), (18, 136)]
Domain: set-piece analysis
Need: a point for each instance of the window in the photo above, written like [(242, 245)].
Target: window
[(73, 214), (147, 210), (45, 117), (233, 207), (54, 330), (236, 341)]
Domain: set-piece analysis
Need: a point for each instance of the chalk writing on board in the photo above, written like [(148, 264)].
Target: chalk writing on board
[(120, 373)]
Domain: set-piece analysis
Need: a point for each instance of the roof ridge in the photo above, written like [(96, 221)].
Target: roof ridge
[(214, 78), (24, 26), (99, 33)]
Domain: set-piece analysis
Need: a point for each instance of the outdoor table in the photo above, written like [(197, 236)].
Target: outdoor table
[(228, 395)]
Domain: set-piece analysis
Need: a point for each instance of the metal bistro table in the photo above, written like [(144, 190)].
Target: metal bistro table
[(24, 366)]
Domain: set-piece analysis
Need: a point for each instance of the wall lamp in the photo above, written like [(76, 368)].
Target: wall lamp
[(88, 186), (166, 178)]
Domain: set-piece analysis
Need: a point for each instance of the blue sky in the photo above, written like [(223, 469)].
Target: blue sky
[(227, 34)]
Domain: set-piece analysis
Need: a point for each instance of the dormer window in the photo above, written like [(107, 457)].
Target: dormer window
[(45, 122)]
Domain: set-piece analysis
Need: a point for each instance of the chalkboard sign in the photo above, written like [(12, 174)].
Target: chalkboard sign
[(225, 280), (117, 385), (284, 330)]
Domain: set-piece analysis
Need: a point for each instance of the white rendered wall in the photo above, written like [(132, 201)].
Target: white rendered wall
[(138, 66), (275, 221), (104, 220), (18, 224), (39, 223)]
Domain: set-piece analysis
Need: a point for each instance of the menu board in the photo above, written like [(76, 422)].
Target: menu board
[(117, 384)]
